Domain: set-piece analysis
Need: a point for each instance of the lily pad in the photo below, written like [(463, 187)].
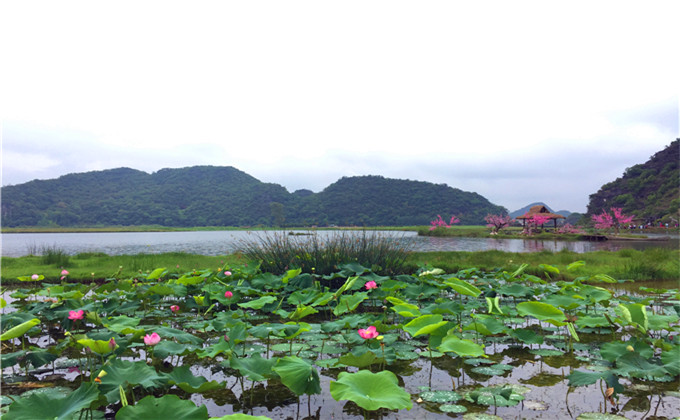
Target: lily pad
[(48, 406), (453, 408), (440, 396)]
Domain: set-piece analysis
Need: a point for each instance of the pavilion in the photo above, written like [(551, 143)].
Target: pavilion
[(543, 210)]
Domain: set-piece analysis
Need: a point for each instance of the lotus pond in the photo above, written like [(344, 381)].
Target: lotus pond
[(236, 342)]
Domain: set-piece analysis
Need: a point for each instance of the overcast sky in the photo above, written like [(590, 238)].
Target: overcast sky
[(518, 101)]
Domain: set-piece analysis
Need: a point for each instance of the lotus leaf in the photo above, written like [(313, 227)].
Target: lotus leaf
[(254, 368), (188, 382), (19, 330), (424, 324), (543, 312), (298, 375), (258, 303), (50, 406), (371, 391), (453, 408), (464, 348), (166, 407), (440, 396), (599, 416)]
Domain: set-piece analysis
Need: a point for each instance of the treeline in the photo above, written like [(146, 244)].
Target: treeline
[(650, 191), (226, 196)]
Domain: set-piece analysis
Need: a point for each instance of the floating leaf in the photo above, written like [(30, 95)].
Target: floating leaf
[(452, 408), (440, 396), (258, 303), (543, 312), (371, 391)]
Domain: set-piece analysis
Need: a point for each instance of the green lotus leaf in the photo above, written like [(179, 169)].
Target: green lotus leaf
[(440, 396), (166, 407), (156, 274), (179, 335), (371, 391), (462, 287), (549, 268), (258, 303), (547, 352), (50, 406), (575, 265), (302, 312), (184, 379), (19, 330), (464, 348), (30, 278), (600, 416), (632, 364), (167, 347), (634, 313), (121, 324), (3, 303), (613, 350), (527, 336), (298, 375), (452, 408), (543, 312), (189, 280), (97, 346), (563, 301), (161, 290), (123, 372), (424, 324), (480, 416), (671, 360), (221, 347), (361, 361), (254, 368), (240, 416), (348, 303)]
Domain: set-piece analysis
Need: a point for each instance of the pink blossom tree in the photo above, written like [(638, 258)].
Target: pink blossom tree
[(497, 222), (535, 221), (614, 218), (439, 222)]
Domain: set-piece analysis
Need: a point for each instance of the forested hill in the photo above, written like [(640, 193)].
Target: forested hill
[(226, 196), (650, 191)]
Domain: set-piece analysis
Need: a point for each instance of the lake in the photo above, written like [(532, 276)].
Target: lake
[(227, 242)]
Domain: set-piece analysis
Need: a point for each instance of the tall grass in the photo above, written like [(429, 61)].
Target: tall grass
[(278, 252), (53, 255)]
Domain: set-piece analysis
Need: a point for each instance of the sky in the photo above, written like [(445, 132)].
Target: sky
[(520, 101)]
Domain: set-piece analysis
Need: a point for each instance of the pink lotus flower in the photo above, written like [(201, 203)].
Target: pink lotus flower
[(112, 344), (371, 285), (227, 273), (174, 308), (35, 277), (368, 333), (228, 294), (152, 340), (76, 315), (64, 273)]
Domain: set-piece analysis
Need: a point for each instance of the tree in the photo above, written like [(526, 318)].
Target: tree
[(439, 222), (614, 218), (497, 222)]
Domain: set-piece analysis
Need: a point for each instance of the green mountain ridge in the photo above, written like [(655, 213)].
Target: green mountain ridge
[(226, 196), (650, 191)]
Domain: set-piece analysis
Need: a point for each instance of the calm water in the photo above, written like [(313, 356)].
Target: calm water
[(226, 242)]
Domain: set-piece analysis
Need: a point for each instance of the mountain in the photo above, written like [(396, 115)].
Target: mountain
[(526, 208), (226, 196), (650, 191)]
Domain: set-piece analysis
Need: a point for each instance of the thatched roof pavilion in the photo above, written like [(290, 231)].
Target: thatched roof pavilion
[(543, 210)]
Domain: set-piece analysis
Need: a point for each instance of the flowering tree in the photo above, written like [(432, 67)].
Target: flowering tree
[(439, 222), (497, 222), (614, 218)]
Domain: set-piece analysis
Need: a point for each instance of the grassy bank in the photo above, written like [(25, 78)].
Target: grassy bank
[(628, 264)]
